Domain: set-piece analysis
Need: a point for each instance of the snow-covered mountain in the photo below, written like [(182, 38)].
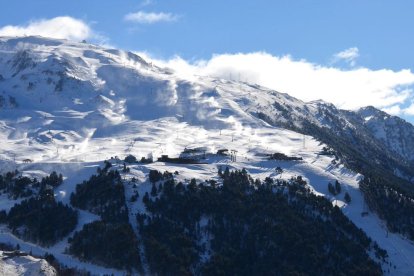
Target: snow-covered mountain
[(394, 132), (68, 106), (382, 141), (64, 93)]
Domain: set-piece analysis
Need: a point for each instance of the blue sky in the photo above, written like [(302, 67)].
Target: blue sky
[(353, 37)]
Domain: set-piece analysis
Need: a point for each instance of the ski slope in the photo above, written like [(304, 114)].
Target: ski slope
[(79, 104)]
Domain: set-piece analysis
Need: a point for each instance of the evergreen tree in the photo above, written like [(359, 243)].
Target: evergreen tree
[(130, 159), (347, 197), (153, 190), (146, 198), (112, 244), (226, 172), (102, 194), (331, 188), (220, 171), (337, 187), (45, 221), (253, 229), (154, 176)]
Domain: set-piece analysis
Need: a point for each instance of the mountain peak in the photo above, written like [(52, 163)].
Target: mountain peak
[(371, 111), (70, 105)]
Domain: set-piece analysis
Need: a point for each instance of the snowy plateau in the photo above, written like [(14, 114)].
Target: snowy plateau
[(68, 106)]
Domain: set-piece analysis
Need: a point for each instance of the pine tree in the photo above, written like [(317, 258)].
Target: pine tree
[(146, 198), (331, 188), (226, 172), (153, 190), (154, 176), (337, 187), (347, 198), (130, 159), (220, 171)]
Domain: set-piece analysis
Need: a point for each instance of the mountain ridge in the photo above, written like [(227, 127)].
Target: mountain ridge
[(67, 105)]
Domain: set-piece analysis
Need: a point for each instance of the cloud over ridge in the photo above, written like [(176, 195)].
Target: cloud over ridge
[(61, 27), (349, 89)]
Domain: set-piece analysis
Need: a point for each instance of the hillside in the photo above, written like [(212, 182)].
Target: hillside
[(67, 107)]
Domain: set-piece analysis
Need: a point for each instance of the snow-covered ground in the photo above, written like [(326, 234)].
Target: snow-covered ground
[(24, 265), (79, 104)]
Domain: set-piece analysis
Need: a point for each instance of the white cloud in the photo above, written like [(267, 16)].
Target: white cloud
[(62, 27), (145, 3), (393, 110), (409, 110), (348, 89), (150, 17), (349, 56)]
